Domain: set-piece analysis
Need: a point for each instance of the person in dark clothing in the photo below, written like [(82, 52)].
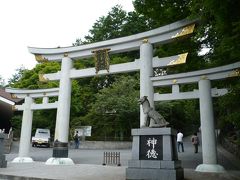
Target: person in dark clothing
[(76, 140), (195, 142)]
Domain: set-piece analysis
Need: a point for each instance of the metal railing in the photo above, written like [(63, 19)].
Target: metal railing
[(112, 158)]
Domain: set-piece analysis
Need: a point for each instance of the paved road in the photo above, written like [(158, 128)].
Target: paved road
[(79, 156), (95, 156), (88, 165)]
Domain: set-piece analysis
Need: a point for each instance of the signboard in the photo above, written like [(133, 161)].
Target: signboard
[(151, 148), (84, 130), (101, 59)]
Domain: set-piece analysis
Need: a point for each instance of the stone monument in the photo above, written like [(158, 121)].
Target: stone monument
[(3, 162), (154, 153)]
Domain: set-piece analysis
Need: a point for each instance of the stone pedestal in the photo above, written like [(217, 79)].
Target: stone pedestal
[(3, 162), (154, 155), (60, 150), (60, 155)]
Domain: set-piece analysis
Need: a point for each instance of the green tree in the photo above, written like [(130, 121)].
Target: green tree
[(218, 30), (17, 76), (29, 79), (117, 23), (162, 12), (116, 109)]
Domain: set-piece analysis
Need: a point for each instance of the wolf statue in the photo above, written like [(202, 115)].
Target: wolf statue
[(153, 118)]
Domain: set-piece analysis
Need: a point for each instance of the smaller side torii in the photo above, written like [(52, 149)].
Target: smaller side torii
[(205, 93), (28, 107)]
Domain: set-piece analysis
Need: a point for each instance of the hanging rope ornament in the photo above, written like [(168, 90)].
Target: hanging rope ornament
[(101, 59)]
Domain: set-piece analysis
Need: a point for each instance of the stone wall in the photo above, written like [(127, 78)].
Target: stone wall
[(231, 147), (103, 145)]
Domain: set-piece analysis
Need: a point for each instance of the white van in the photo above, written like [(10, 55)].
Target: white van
[(42, 137)]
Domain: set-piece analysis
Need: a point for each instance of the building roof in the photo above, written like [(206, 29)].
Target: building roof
[(7, 98)]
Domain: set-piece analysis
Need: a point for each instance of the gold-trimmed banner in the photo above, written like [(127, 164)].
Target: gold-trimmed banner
[(185, 31), (101, 59), (234, 73), (180, 60), (13, 96), (39, 58), (14, 108), (42, 78)]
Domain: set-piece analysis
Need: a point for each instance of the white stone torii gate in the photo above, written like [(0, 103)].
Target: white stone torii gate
[(204, 94), (146, 63), (28, 107)]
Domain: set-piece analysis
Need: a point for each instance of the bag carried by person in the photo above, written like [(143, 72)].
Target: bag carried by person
[(195, 140)]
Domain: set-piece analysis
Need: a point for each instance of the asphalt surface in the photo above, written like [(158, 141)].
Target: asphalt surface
[(88, 165)]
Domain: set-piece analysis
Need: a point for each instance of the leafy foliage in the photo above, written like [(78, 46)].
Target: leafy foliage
[(17, 76), (219, 31), (116, 109), (117, 23), (29, 79)]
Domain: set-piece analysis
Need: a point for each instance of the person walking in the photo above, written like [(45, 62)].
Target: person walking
[(195, 142), (76, 140), (180, 141)]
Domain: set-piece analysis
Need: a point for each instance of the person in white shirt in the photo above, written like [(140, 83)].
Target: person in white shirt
[(180, 141)]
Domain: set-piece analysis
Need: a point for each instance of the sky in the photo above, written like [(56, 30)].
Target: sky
[(45, 24)]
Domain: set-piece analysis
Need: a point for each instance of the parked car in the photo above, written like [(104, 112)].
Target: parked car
[(41, 138)]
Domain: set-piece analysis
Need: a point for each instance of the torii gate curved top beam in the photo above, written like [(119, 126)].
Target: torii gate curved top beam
[(161, 35), (221, 72), (34, 93)]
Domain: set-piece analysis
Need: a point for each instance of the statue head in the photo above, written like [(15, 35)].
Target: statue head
[(142, 99)]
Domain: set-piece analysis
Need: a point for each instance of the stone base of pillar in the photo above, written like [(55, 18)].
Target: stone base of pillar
[(60, 150), (22, 160), (210, 168), (59, 161), (159, 174), (154, 155)]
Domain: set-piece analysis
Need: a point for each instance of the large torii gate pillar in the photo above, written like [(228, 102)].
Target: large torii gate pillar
[(64, 99), (209, 147), (60, 149), (146, 72)]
